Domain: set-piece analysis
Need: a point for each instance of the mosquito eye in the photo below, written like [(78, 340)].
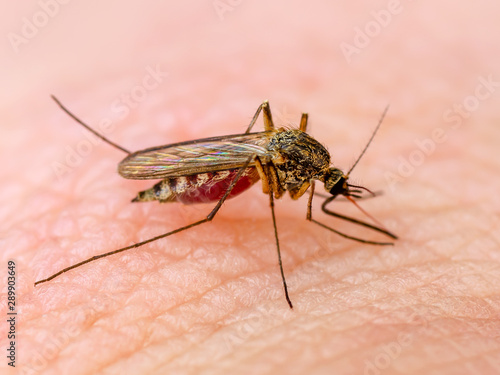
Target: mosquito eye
[(340, 187)]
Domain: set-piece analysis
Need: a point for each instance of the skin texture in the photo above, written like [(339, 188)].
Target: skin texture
[(210, 300)]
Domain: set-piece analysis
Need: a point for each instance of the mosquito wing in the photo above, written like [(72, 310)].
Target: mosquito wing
[(193, 157)]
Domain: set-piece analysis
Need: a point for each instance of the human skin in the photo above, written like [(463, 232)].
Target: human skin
[(210, 300)]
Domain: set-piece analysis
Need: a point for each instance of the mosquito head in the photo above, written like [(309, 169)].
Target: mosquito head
[(336, 183)]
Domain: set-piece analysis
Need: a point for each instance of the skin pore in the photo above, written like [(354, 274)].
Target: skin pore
[(210, 300)]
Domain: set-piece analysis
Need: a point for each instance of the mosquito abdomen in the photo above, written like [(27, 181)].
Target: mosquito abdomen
[(199, 188)]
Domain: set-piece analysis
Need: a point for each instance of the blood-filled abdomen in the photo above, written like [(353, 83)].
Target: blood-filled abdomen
[(199, 188)]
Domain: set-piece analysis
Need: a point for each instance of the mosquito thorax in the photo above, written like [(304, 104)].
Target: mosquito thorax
[(336, 182), (298, 157)]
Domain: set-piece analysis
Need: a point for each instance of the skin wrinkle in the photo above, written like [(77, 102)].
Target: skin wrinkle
[(185, 349), (364, 324), (390, 297), (437, 367), (341, 354), (257, 337), (246, 275), (461, 267), (184, 352), (200, 345), (184, 303)]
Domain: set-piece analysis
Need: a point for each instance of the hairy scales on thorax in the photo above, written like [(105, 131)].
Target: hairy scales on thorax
[(298, 158)]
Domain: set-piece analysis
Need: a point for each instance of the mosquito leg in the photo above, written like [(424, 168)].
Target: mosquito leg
[(310, 201), (262, 174), (267, 186), (119, 251), (229, 189), (274, 181), (355, 221), (256, 116), (209, 217), (297, 193), (268, 118), (271, 203), (88, 127), (303, 122), (351, 237)]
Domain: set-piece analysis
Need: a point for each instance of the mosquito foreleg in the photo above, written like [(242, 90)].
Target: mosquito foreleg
[(351, 237), (355, 221)]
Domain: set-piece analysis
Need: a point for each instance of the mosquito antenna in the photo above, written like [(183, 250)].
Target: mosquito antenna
[(88, 127), (370, 141)]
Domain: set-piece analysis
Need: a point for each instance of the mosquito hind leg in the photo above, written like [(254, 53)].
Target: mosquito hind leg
[(209, 217), (69, 113), (268, 118)]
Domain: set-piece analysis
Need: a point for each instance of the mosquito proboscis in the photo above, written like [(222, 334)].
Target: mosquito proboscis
[(217, 168)]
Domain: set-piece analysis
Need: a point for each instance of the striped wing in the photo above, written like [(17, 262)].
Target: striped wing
[(193, 157)]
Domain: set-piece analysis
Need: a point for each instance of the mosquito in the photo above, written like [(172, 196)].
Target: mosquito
[(218, 168)]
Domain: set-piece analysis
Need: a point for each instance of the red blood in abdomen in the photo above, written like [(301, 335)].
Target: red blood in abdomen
[(215, 187)]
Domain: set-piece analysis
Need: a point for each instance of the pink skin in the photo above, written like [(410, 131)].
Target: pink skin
[(210, 300)]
